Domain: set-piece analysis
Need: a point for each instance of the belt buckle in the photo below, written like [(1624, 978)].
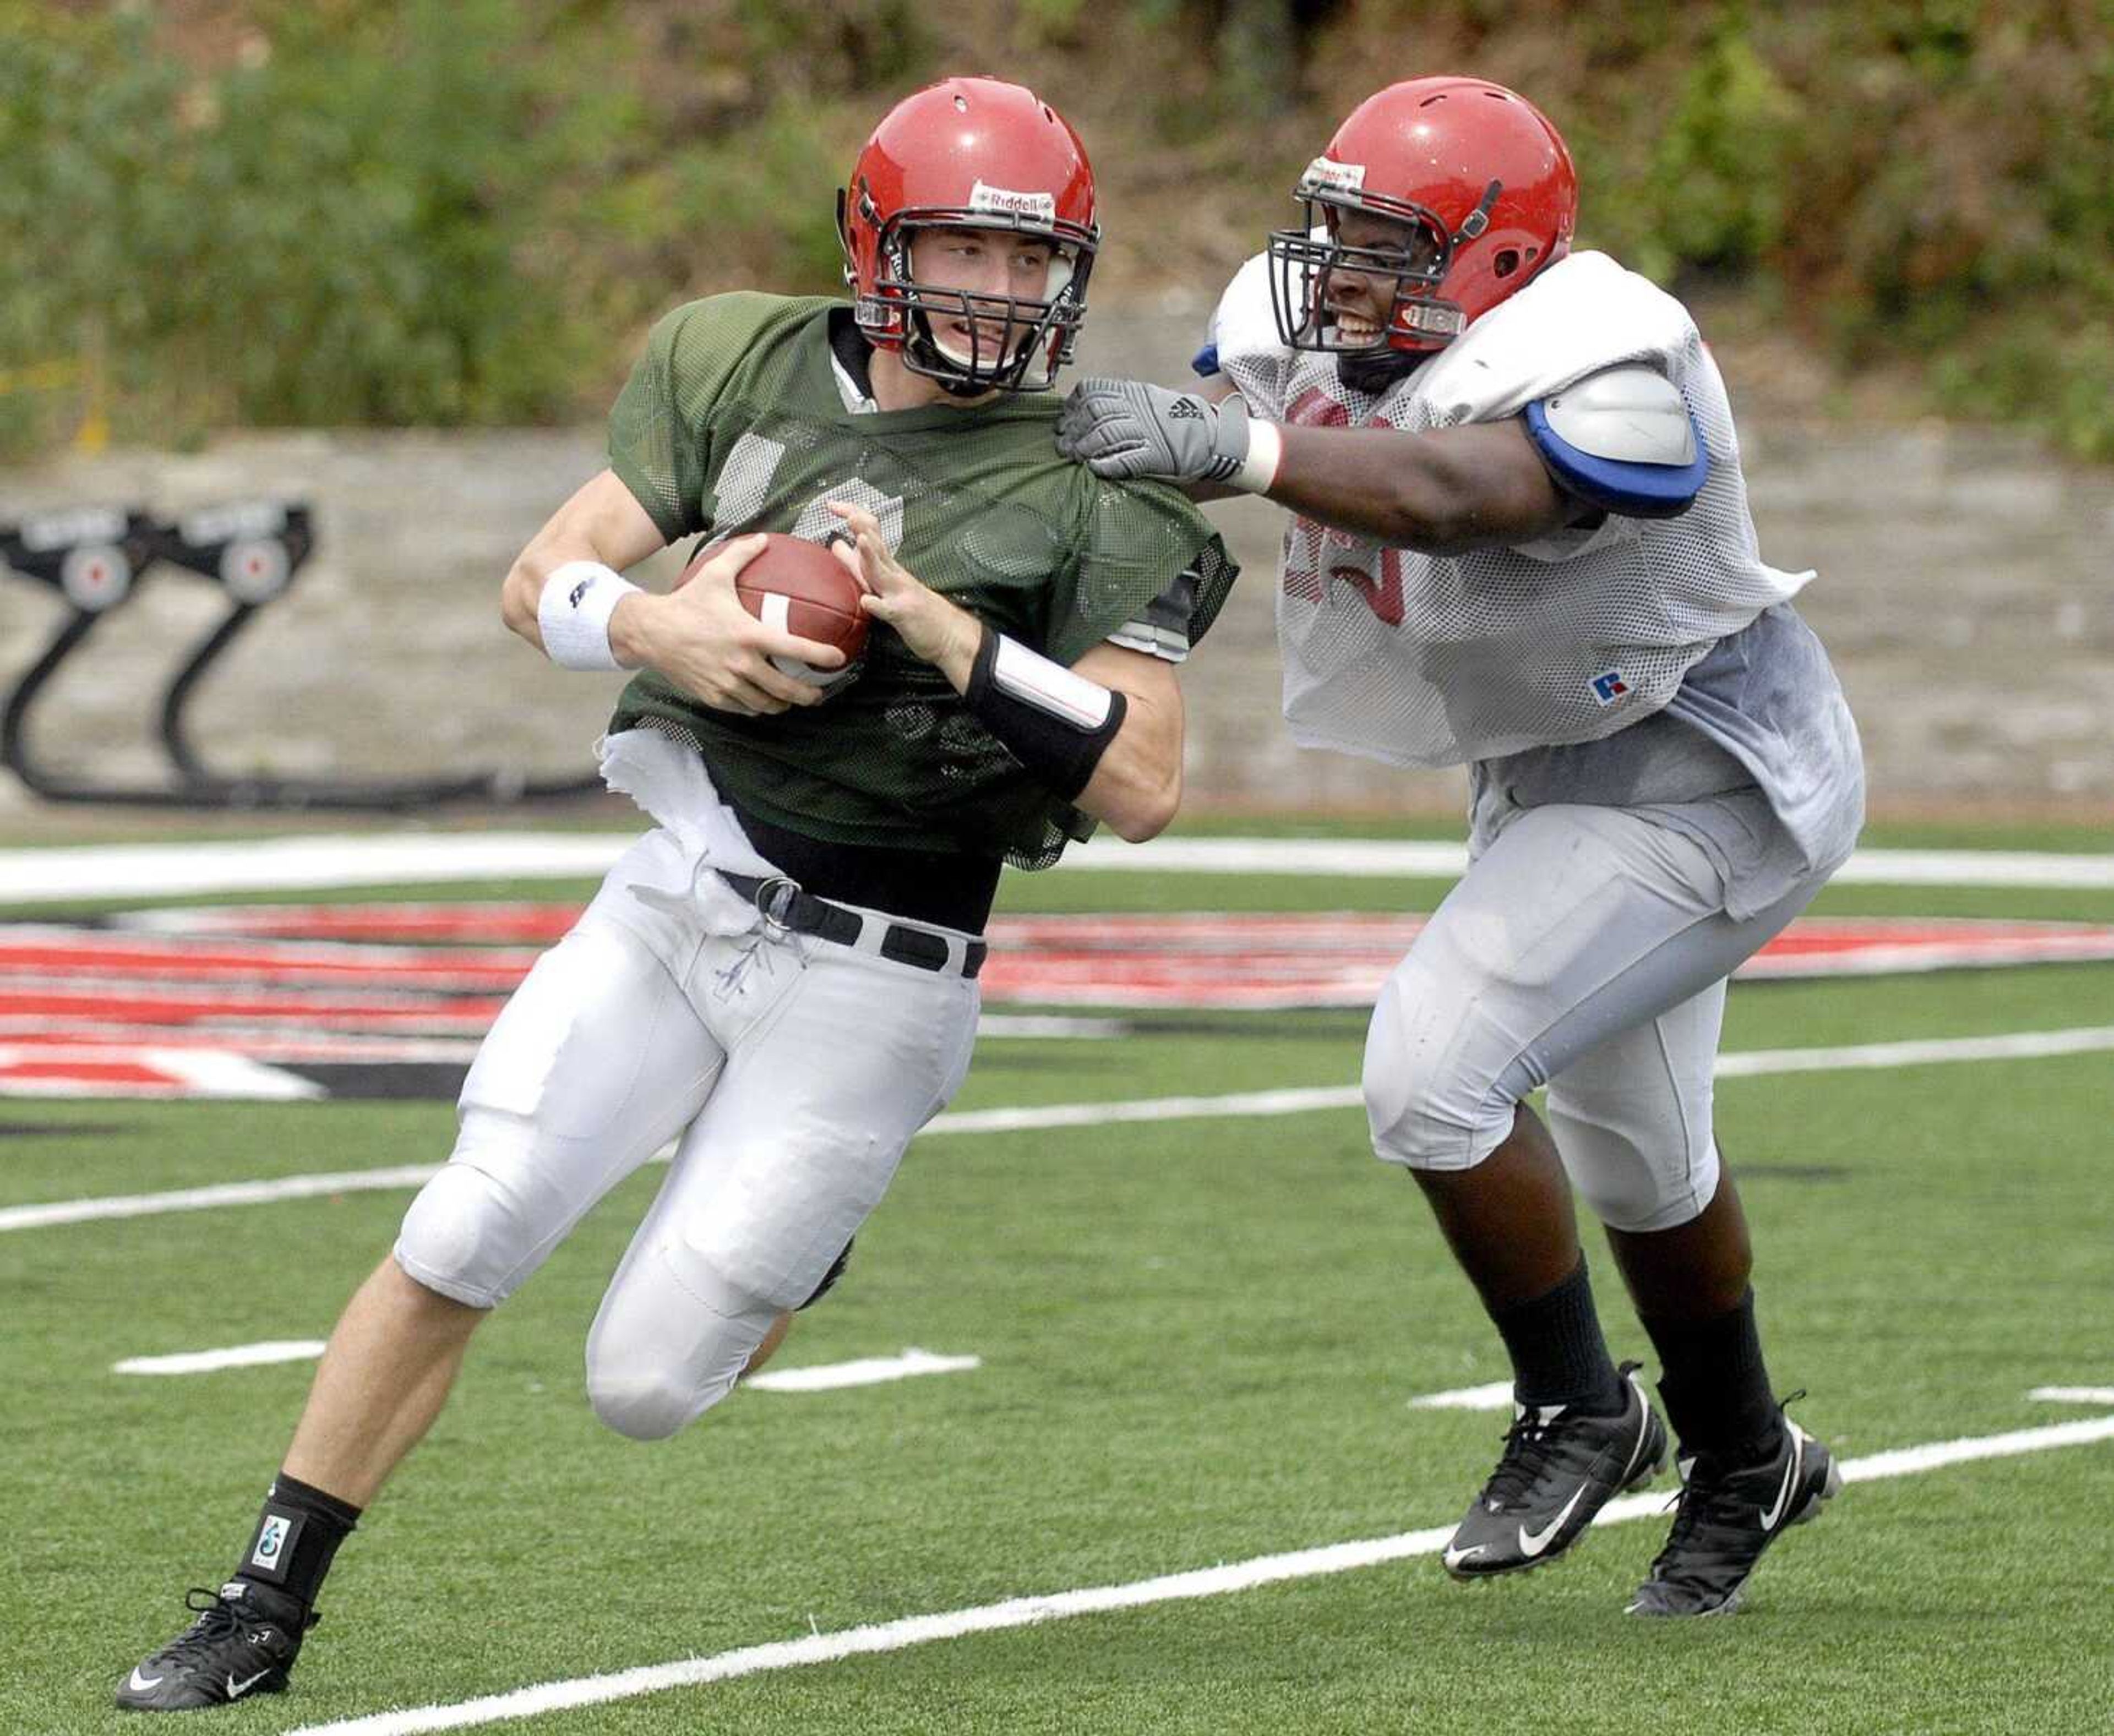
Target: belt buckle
[(774, 902)]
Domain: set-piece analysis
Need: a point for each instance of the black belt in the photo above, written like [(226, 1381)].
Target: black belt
[(786, 906)]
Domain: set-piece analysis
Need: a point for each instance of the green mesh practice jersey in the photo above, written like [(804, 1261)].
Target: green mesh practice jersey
[(733, 421)]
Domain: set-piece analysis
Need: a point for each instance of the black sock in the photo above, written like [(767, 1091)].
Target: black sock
[(1716, 1387), (1558, 1355), (296, 1535)]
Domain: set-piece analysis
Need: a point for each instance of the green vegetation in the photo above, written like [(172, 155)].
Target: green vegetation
[(427, 212)]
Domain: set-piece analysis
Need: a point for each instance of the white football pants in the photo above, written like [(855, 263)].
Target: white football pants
[(1586, 949), (795, 1073)]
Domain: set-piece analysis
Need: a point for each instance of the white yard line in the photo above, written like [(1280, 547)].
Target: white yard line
[(1355, 858), (868, 1371), (1299, 1101), (2020, 1045), (1919, 1052), (1042, 1025), (2073, 1395), (1024, 1612), (302, 864), (221, 1194), (234, 1356), (1497, 1396), (317, 863)]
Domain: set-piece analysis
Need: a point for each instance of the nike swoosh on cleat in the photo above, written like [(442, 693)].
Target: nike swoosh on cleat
[(1776, 1511), (1644, 1431), (1454, 1557), (139, 1684), (1533, 1543), (236, 1690)]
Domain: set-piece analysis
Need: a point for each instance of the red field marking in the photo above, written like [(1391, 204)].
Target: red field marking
[(286, 1046), (74, 953), (464, 925), (50, 1009), (422, 926), (156, 1069), (85, 1070), (285, 985)]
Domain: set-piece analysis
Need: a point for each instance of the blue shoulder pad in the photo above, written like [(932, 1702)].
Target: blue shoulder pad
[(1622, 441), (1205, 361)]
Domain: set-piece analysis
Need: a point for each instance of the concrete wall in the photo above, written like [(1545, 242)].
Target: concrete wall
[(1964, 589)]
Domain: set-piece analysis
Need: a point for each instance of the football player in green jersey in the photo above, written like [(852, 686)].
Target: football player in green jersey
[(781, 976)]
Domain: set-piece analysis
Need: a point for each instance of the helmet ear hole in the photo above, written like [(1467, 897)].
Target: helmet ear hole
[(1507, 262)]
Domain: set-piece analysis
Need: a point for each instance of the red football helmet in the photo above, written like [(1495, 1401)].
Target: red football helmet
[(1484, 184), (970, 153)]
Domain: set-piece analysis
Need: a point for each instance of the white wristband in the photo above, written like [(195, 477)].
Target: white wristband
[(1265, 451), (573, 613), (1051, 688)]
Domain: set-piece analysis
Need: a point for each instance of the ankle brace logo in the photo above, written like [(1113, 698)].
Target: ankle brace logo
[(273, 1536)]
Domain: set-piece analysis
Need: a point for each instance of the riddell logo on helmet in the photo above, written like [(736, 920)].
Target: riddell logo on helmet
[(1326, 173), (1040, 206)]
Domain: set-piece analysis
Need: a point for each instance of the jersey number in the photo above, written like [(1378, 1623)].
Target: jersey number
[(743, 491), (1304, 548)]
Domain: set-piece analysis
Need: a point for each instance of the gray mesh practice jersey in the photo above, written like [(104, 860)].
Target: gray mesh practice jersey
[(1498, 650), (1428, 660), (1760, 715), (733, 421)]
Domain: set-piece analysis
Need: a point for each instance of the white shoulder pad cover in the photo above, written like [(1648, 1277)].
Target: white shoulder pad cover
[(1632, 414), (1245, 321)]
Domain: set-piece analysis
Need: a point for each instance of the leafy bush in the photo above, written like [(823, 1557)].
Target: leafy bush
[(465, 211), (1923, 182)]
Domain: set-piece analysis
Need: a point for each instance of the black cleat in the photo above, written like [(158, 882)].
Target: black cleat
[(244, 1640), (1559, 1469), (1728, 1516)]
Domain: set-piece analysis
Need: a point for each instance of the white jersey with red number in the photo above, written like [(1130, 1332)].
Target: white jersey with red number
[(1430, 660)]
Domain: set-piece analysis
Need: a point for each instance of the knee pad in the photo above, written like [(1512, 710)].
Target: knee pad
[(467, 1236), (1628, 1186), (672, 1337), (644, 1403), (1424, 1109)]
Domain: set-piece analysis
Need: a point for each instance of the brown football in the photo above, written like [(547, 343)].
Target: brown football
[(802, 587)]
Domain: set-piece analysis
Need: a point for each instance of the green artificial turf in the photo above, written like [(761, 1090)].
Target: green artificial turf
[(1198, 1340)]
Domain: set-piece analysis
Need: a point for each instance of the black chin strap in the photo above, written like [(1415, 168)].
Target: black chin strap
[(945, 369), (854, 355), (1374, 372), (1479, 220)]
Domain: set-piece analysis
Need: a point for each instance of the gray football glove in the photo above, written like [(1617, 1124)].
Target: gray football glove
[(1124, 428)]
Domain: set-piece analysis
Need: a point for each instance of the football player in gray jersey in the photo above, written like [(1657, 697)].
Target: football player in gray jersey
[(1520, 541)]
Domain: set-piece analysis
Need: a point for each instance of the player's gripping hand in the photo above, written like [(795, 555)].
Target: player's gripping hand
[(1124, 428), (702, 638), (945, 634)]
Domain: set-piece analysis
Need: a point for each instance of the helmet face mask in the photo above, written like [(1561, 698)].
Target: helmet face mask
[(1306, 262), (980, 340), (1453, 192), (988, 159)]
